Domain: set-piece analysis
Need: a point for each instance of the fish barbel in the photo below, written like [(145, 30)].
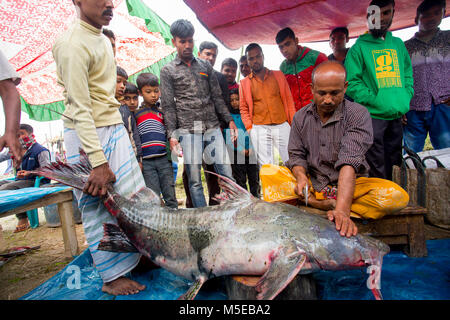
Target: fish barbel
[(243, 235)]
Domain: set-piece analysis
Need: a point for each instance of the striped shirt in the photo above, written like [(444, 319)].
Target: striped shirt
[(150, 124), (323, 148)]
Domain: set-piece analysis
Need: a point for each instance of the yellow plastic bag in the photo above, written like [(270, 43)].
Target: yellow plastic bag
[(277, 183)]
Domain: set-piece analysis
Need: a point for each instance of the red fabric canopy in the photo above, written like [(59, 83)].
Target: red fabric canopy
[(239, 22)]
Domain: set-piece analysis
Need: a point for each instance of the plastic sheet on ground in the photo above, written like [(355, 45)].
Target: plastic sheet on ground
[(10, 199), (402, 278)]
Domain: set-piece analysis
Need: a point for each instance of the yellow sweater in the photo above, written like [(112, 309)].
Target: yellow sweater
[(86, 69)]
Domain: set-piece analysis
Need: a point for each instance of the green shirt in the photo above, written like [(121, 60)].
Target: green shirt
[(380, 76)]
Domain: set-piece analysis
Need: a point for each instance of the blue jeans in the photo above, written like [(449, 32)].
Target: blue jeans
[(158, 176), (436, 122), (209, 146)]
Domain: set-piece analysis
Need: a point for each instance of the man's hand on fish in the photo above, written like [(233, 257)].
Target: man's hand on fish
[(98, 180), (343, 222)]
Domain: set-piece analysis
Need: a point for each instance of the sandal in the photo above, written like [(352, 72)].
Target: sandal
[(22, 228)]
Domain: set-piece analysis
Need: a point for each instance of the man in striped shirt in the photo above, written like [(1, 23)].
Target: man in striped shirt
[(327, 146)]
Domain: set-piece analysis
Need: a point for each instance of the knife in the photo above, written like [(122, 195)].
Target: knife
[(306, 193)]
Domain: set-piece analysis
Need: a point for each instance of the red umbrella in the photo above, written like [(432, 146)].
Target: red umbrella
[(239, 22), (29, 28)]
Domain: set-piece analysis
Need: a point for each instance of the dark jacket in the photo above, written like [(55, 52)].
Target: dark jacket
[(191, 97), (30, 161)]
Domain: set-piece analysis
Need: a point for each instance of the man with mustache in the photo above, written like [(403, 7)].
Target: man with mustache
[(192, 102), (380, 78), (266, 107), (87, 70), (327, 146), (243, 66)]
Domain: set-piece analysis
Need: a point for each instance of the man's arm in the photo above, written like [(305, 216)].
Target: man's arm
[(11, 106), (216, 95), (357, 90), (355, 143), (408, 71), (168, 107), (297, 162), (244, 109), (341, 214), (289, 99)]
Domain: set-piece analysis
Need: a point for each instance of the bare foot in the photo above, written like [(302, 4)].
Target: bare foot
[(122, 286)]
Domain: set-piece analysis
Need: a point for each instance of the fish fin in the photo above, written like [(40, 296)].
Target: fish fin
[(230, 189), (146, 195), (74, 175), (193, 290), (115, 240), (284, 267)]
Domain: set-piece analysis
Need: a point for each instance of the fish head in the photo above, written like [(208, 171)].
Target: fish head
[(336, 252)]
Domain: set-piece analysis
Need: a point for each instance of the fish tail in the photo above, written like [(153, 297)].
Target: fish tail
[(74, 175)]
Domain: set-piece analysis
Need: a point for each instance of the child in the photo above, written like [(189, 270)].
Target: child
[(127, 116), (157, 166), (244, 165), (131, 97)]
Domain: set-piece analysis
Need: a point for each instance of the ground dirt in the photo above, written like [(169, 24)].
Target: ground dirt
[(23, 273)]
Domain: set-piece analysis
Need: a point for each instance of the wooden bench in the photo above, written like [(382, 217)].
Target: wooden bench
[(63, 199), (405, 227)]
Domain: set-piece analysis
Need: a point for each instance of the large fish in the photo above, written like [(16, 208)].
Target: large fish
[(241, 236)]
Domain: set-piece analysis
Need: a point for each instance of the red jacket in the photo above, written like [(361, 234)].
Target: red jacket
[(298, 75)]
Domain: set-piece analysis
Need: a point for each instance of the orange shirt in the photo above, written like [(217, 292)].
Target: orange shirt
[(268, 107)]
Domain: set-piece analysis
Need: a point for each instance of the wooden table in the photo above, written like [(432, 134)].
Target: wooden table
[(63, 199)]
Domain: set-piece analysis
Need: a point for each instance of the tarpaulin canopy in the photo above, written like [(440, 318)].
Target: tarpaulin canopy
[(239, 22), (29, 29)]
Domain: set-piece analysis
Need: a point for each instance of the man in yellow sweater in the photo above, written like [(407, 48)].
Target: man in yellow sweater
[(87, 71)]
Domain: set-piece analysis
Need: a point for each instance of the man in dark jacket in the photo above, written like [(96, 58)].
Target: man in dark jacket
[(193, 105), (34, 156)]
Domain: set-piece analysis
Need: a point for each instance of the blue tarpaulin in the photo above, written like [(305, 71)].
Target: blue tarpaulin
[(402, 278), (10, 199)]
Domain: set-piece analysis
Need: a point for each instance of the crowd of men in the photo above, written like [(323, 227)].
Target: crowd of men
[(337, 122)]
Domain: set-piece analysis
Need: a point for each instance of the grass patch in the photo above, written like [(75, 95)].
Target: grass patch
[(428, 146)]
